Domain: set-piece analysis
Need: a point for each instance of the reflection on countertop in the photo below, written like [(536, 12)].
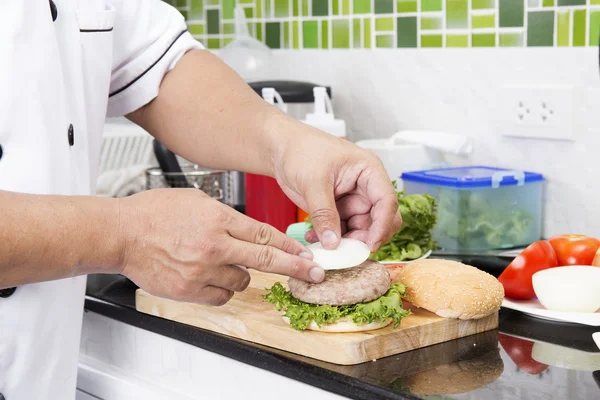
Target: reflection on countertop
[(526, 358)]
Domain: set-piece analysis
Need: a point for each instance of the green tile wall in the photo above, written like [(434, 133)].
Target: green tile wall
[(385, 24)]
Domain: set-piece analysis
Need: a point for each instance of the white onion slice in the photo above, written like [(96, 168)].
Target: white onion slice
[(349, 253)]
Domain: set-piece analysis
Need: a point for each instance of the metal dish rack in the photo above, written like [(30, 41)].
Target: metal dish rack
[(215, 183)]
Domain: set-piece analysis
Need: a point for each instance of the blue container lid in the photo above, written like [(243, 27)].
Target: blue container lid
[(472, 176)]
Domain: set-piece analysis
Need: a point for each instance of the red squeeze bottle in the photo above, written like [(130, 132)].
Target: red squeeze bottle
[(266, 202)]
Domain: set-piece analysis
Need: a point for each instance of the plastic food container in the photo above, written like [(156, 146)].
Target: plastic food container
[(482, 208)]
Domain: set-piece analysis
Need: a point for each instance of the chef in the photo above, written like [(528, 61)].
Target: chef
[(66, 65)]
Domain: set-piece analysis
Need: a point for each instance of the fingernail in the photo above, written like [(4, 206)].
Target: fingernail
[(328, 238), (306, 254), (317, 274)]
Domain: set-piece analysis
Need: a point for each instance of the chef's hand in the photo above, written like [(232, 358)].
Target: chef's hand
[(345, 189), (183, 245)]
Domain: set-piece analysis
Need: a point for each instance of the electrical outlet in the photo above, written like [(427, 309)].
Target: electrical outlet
[(540, 112)]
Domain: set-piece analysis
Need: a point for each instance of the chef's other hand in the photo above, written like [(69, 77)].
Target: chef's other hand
[(344, 188), (182, 244)]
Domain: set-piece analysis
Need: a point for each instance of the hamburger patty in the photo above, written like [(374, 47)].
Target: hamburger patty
[(359, 284)]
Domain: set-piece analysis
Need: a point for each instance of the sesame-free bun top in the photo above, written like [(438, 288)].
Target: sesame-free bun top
[(451, 289)]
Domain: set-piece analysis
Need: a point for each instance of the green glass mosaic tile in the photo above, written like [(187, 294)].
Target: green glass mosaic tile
[(226, 41), (457, 41), (404, 6), (196, 29), (429, 23), (310, 34), (259, 31), (563, 28), (320, 7), (367, 33), (196, 10), (483, 40), (356, 32), (571, 2), (482, 4), (457, 14), (345, 7), (483, 21), (227, 7), (259, 9), (594, 28), (431, 5), (353, 24), (282, 8), (384, 41), (511, 40), (325, 34), (540, 28), (384, 6), (286, 35), (511, 13), (431, 40), (406, 31), (384, 24), (228, 28), (362, 6), (579, 27), (212, 22), (340, 34), (273, 34), (335, 7), (295, 34)]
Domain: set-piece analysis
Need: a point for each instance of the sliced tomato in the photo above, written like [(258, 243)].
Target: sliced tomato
[(393, 270), (519, 350), (516, 278), (575, 249)]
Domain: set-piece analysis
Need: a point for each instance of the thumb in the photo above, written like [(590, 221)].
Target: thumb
[(323, 215)]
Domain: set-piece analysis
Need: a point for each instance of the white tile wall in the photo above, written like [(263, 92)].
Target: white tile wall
[(457, 90)]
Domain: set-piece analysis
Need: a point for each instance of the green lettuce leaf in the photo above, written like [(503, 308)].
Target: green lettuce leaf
[(301, 314), (419, 216)]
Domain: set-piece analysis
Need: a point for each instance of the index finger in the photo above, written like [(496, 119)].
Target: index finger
[(249, 230)]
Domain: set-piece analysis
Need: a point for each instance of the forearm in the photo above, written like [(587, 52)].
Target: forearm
[(52, 237), (207, 114)]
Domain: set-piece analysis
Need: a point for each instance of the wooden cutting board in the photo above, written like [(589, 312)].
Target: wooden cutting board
[(246, 316)]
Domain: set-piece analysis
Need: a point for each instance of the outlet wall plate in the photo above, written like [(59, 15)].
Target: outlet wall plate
[(537, 111)]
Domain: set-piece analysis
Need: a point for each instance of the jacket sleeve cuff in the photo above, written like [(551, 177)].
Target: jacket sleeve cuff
[(138, 84)]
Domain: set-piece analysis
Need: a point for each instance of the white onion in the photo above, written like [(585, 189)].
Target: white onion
[(349, 253)]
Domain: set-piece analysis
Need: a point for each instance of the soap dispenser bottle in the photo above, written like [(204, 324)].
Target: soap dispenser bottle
[(323, 117)]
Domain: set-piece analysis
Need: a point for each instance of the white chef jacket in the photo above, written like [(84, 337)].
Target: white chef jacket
[(64, 66)]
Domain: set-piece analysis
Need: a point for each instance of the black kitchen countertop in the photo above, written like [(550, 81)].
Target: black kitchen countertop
[(508, 363)]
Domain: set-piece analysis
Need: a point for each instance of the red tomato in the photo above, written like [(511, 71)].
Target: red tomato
[(574, 249), (519, 350), (516, 278)]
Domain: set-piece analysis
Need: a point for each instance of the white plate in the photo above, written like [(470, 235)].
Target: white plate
[(535, 309), (406, 261)]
